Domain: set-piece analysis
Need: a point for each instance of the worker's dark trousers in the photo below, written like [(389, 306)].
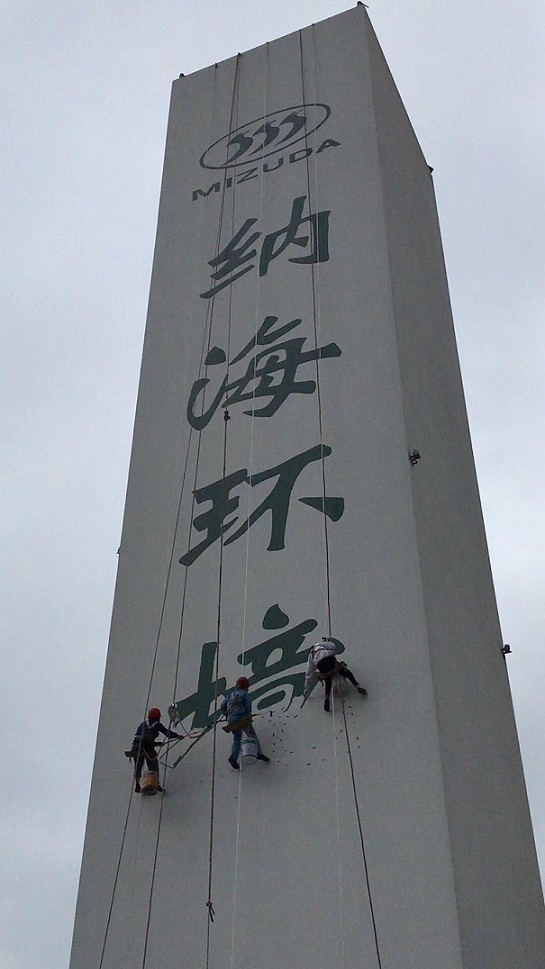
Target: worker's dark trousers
[(142, 754), (329, 668)]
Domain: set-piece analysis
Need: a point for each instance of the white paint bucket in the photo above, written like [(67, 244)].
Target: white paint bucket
[(248, 750)]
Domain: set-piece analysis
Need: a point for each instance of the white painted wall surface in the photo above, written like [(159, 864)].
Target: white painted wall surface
[(409, 583)]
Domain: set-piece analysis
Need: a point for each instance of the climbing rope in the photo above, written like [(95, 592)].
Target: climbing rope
[(206, 343), (312, 194), (327, 566), (247, 549), (209, 904), (338, 825), (233, 119), (360, 829), (116, 879), (152, 671), (315, 325), (204, 349)]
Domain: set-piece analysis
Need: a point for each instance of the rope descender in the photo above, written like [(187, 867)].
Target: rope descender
[(210, 908)]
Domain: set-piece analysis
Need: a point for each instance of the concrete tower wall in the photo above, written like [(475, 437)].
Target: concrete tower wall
[(298, 263)]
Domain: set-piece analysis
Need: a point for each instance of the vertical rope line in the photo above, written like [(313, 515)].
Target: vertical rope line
[(153, 665), (207, 332), (327, 584), (338, 821), (116, 878), (214, 732), (135, 863), (205, 348), (327, 566), (327, 589), (209, 905), (207, 338), (317, 319), (248, 509), (152, 885), (182, 614), (362, 839), (237, 847), (157, 640), (169, 572), (253, 397), (206, 342)]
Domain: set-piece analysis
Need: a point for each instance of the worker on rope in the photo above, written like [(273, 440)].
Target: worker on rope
[(323, 665), (237, 707), (143, 745)]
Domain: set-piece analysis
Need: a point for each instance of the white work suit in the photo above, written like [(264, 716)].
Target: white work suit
[(318, 652)]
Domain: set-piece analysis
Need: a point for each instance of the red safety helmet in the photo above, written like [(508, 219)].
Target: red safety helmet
[(154, 714), (244, 682)]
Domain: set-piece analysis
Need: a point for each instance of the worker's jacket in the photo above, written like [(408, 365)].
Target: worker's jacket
[(147, 733), (236, 705), (319, 651)]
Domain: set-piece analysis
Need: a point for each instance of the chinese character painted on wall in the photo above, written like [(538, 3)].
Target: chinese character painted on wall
[(213, 521), (270, 373), (275, 668), (309, 232)]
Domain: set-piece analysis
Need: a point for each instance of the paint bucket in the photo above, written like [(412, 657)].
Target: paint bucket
[(248, 750), (150, 782)]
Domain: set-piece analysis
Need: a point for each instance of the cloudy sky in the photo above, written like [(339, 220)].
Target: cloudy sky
[(84, 98)]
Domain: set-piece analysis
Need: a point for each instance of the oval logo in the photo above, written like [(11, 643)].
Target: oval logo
[(265, 136)]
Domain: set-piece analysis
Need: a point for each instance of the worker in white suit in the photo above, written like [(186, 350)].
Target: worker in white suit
[(323, 665)]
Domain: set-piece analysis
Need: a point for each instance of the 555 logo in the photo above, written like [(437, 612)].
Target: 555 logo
[(265, 136), (265, 145)]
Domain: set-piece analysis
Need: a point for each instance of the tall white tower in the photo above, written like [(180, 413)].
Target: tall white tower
[(301, 467)]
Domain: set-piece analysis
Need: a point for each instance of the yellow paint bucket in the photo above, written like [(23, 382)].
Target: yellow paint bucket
[(150, 783)]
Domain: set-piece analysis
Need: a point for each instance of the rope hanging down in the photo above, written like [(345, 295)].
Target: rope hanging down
[(315, 316), (215, 729), (315, 319), (205, 347), (360, 829), (248, 535), (226, 418), (327, 583)]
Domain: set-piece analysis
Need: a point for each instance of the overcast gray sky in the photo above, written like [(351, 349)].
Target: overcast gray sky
[(85, 91)]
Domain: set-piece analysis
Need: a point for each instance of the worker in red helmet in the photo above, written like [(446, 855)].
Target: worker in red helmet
[(237, 707), (143, 745)]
